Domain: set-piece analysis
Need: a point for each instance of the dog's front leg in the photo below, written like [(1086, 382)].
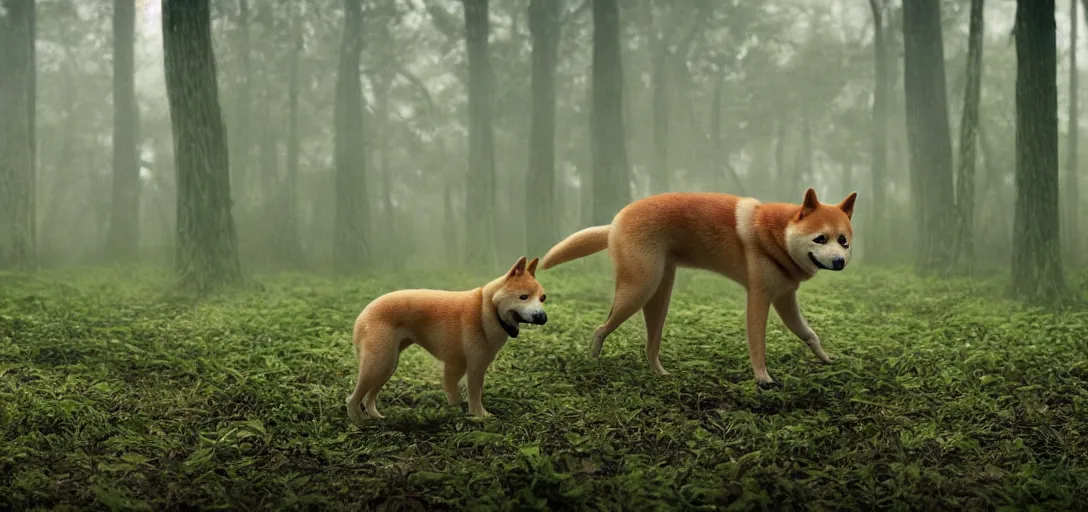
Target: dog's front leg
[(758, 308), (789, 310), (476, 371)]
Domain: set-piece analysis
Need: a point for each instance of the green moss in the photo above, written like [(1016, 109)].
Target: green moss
[(943, 395)]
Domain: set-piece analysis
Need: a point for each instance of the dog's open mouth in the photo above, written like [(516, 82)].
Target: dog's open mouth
[(817, 262), (512, 330)]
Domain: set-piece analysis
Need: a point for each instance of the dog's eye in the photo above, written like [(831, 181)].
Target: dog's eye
[(843, 242), (820, 239), (543, 298), (524, 297)]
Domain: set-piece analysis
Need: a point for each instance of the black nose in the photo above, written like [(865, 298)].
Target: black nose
[(540, 318), (838, 262)]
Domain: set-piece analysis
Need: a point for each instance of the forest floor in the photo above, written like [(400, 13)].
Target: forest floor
[(943, 394)]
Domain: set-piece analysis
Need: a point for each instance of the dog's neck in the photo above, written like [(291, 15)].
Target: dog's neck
[(486, 292)]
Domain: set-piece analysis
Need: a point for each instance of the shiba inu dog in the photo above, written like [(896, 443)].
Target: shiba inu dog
[(767, 248), (464, 330)]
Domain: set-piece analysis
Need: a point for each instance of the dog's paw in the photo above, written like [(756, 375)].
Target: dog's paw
[(355, 414), (482, 413), (768, 383)]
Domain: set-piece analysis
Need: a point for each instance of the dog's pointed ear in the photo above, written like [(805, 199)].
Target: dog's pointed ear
[(809, 204), (847, 205), (531, 269), (518, 268)]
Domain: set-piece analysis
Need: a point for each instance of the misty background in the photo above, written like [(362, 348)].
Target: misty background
[(750, 98)]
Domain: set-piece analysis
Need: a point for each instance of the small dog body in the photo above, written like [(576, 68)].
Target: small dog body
[(767, 248), (464, 330)]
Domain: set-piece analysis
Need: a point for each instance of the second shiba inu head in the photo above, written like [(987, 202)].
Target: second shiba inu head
[(520, 298), (819, 237)]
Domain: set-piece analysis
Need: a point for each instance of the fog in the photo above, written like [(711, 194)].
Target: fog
[(760, 99)]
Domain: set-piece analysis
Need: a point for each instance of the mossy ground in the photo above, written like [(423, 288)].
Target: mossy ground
[(943, 395)]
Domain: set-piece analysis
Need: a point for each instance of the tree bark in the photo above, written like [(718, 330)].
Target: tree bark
[(612, 183), (480, 189), (17, 103), (928, 135), (1072, 164), (719, 155), (780, 151), (207, 248), (540, 214), (293, 244), (351, 241), (659, 85), (1036, 259), (242, 139), (878, 227), (381, 85), (965, 182), (804, 167), (122, 240)]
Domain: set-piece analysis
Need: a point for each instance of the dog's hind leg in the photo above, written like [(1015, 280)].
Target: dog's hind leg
[(654, 313), (378, 358), (354, 400), (451, 381), (638, 274)]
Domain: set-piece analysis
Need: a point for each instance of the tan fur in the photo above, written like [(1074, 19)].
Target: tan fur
[(461, 329), (578, 245), (767, 248)]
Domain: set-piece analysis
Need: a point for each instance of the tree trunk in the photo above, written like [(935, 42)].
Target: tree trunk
[(1036, 259), (17, 100), (804, 167), (243, 126), (965, 182), (381, 85), (293, 245), (351, 241), (540, 214), (480, 186), (1072, 164), (207, 248), (928, 136), (780, 154), (586, 172), (659, 79), (878, 227), (122, 240), (717, 152), (612, 182), (269, 196)]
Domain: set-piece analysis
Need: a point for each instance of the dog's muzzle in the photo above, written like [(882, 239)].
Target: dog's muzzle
[(837, 263), (540, 318)]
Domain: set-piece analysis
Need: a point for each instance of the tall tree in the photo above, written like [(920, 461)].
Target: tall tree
[(351, 241), (1036, 259), (660, 57), (243, 126), (207, 246), (1072, 163), (965, 182), (17, 101), (540, 214), (122, 239), (611, 187), (879, 134), (292, 246), (928, 136), (480, 186)]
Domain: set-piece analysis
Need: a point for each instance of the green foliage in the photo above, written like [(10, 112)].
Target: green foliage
[(941, 396)]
